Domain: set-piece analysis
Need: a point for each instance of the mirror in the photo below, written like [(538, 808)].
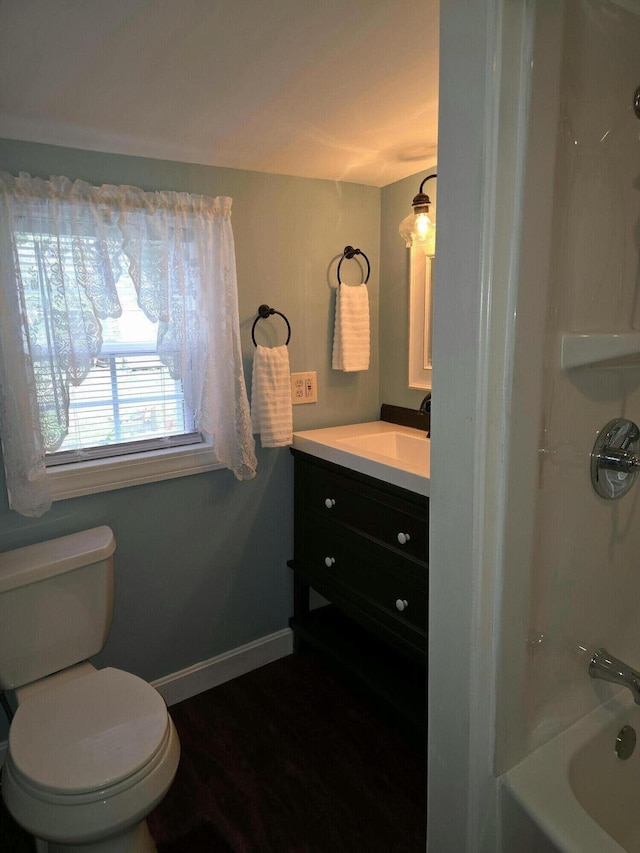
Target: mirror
[(422, 269)]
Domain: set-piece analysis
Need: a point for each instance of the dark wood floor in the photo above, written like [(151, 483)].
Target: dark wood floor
[(286, 759)]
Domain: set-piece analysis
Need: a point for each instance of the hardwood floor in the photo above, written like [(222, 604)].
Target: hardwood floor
[(286, 759)]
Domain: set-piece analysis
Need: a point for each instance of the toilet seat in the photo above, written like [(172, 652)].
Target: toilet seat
[(93, 733)]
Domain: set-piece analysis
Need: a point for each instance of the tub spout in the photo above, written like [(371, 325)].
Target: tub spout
[(605, 666)]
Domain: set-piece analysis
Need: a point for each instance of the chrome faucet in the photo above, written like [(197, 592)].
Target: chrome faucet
[(425, 409), (605, 666)]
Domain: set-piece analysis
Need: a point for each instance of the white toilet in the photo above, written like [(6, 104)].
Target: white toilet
[(91, 752)]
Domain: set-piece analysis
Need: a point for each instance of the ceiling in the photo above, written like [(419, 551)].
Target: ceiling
[(339, 89)]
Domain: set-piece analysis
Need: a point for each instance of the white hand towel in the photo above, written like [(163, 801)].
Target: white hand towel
[(351, 336), (271, 413)]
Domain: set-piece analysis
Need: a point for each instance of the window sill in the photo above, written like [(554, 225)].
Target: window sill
[(104, 475)]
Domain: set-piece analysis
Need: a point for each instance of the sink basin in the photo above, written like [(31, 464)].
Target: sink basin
[(395, 454), (396, 445)]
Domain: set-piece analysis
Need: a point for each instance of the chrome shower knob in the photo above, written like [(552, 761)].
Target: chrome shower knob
[(614, 459)]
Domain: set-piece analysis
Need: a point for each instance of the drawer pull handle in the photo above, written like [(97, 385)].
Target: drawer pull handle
[(402, 604), (403, 538), (329, 561), (329, 502)]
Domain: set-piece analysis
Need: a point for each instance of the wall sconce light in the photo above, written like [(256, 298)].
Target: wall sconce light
[(418, 228)]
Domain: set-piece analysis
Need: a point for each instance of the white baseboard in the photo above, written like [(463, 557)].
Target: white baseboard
[(210, 673)]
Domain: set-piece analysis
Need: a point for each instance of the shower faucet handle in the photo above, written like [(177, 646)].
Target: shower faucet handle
[(619, 460), (614, 460)]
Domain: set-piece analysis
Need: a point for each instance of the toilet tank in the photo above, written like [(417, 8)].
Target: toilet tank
[(56, 604)]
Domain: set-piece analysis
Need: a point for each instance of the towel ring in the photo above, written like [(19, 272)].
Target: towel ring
[(348, 253), (263, 312)]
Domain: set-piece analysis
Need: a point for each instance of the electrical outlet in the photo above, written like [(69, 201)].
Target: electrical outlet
[(304, 388)]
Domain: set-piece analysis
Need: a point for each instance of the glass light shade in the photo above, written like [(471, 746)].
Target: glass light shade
[(418, 229)]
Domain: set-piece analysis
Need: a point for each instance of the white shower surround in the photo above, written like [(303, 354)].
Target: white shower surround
[(571, 580), (536, 560), (584, 582)]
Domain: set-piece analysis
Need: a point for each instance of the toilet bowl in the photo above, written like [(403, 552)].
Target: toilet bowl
[(88, 760), (90, 752)]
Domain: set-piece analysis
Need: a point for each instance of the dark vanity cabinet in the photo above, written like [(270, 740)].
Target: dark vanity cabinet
[(363, 545)]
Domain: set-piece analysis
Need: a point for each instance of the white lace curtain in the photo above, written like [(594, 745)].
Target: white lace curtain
[(178, 250)]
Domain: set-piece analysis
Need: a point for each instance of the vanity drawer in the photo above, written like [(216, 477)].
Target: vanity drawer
[(398, 523), (358, 570)]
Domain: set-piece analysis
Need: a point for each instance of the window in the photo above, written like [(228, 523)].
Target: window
[(128, 400), (127, 403), (120, 340)]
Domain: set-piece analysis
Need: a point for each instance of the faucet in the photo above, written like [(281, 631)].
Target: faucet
[(605, 666), (425, 409)]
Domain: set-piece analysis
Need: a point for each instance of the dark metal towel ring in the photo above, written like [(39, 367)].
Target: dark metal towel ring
[(263, 312), (348, 253)]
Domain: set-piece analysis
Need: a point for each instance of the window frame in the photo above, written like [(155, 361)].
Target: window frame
[(217, 387), (93, 476), (77, 478)]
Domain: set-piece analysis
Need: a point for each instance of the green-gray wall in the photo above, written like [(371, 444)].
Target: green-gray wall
[(201, 560)]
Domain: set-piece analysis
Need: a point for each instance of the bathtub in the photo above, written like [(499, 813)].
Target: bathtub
[(576, 789)]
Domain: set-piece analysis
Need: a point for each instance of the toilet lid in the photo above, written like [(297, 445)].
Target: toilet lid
[(88, 733)]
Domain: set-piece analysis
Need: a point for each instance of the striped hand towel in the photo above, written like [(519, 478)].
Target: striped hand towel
[(271, 413), (351, 336)]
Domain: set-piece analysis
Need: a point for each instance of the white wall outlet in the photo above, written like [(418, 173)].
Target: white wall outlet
[(304, 388)]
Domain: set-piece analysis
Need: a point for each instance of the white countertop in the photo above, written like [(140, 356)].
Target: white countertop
[(339, 445)]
